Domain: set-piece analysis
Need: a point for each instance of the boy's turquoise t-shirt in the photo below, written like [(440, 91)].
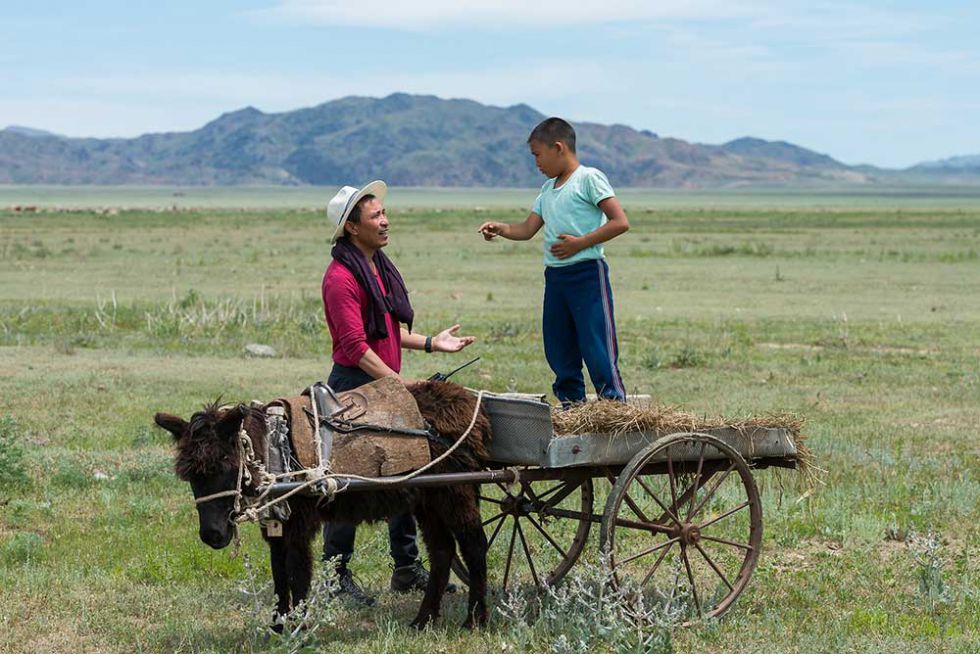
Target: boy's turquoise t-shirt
[(573, 208)]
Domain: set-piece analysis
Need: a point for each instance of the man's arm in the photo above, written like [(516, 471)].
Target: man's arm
[(372, 364), (444, 341), (513, 231), (616, 223)]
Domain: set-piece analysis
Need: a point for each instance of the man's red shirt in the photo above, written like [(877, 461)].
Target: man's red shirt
[(345, 305)]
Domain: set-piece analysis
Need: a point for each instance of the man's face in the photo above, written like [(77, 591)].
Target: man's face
[(547, 157), (371, 232)]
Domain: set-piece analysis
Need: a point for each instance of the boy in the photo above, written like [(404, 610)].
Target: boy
[(579, 212)]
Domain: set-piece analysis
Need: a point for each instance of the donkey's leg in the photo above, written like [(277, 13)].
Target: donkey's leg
[(280, 579), (468, 530), (439, 543), (298, 536)]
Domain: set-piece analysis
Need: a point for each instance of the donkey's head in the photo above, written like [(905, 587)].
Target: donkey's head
[(207, 457)]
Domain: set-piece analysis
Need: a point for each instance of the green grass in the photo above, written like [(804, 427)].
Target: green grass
[(863, 317)]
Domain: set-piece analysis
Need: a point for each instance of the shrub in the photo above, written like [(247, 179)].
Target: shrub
[(12, 453), (586, 614)]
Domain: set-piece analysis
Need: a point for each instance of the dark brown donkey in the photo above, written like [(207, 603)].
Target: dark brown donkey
[(207, 457)]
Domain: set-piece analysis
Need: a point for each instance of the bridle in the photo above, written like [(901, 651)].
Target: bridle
[(243, 478)]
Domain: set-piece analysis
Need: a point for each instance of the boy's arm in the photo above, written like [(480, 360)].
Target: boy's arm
[(616, 223), (513, 231)]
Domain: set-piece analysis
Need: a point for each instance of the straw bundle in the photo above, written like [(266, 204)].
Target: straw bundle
[(608, 418)]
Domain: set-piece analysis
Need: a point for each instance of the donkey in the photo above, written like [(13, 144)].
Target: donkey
[(207, 457)]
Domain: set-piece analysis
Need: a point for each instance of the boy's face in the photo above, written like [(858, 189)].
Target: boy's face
[(548, 157)]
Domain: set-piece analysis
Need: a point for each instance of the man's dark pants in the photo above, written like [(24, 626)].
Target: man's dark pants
[(338, 538)]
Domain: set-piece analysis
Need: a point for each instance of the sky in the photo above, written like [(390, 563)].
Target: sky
[(885, 83)]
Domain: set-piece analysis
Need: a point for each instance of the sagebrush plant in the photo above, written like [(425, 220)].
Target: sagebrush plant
[(304, 628), (926, 551), (12, 453), (586, 614)]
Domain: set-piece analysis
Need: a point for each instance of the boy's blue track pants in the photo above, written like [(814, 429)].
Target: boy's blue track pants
[(578, 325)]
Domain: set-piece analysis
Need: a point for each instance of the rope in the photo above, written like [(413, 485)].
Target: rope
[(516, 481), (316, 429)]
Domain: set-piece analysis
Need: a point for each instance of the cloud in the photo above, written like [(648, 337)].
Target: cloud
[(541, 14), (128, 105)]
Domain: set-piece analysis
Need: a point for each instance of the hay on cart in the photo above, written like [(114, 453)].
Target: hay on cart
[(608, 418)]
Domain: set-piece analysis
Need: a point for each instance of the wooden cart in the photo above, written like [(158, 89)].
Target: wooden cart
[(679, 514)]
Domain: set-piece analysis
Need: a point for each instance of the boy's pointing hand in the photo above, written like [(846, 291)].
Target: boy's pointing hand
[(490, 230), (568, 245)]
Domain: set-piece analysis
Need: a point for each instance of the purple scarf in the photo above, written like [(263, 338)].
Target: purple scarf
[(395, 302)]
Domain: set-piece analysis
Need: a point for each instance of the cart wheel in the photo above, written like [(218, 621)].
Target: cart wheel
[(535, 530), (683, 525)]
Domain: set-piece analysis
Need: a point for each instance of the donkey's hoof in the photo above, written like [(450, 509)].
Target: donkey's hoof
[(475, 621), (421, 622)]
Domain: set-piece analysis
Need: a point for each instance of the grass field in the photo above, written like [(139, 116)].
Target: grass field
[(306, 197), (862, 316)]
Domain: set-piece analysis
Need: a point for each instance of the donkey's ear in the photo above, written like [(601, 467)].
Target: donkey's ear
[(231, 420), (173, 424)]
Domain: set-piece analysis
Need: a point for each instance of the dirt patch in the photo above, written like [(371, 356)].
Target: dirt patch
[(877, 349)]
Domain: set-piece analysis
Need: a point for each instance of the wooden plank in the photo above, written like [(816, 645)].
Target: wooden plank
[(603, 449)]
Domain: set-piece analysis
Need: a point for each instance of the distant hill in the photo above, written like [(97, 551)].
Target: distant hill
[(27, 131), (953, 165), (407, 140)]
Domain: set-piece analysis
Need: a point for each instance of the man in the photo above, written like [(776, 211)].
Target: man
[(366, 305)]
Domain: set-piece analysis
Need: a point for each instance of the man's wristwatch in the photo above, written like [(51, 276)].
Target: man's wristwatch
[(428, 344)]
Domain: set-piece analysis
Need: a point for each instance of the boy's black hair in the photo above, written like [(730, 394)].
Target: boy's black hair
[(551, 130)]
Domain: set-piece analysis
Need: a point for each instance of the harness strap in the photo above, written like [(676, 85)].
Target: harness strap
[(331, 482)]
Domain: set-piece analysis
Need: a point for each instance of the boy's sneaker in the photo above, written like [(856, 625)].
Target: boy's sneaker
[(347, 588), (406, 578)]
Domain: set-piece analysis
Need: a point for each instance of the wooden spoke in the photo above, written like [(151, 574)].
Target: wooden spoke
[(493, 519), (657, 563), (510, 554), (671, 480), (747, 548), (649, 550), (710, 493), (725, 515), (496, 531), (652, 527), (566, 488), (527, 553), (547, 537), (713, 566), (690, 578), (667, 512), (696, 484), (636, 509)]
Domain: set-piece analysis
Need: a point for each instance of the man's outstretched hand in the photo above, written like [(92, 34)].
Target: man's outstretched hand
[(448, 341)]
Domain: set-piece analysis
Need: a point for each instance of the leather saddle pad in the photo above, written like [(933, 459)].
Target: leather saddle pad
[(384, 403)]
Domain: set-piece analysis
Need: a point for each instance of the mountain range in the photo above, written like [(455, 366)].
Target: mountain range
[(414, 140)]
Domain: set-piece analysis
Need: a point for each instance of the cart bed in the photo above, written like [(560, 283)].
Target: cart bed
[(523, 435)]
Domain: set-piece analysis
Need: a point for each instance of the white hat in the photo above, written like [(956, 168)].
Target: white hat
[(346, 199)]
